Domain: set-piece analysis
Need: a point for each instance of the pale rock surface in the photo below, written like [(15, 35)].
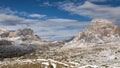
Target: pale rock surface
[(99, 31), (98, 44)]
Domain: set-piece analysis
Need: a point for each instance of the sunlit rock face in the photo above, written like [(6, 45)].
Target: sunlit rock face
[(5, 42), (2, 30), (24, 32), (99, 31)]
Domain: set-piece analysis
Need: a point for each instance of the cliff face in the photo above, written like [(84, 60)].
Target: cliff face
[(23, 34), (99, 31), (17, 43)]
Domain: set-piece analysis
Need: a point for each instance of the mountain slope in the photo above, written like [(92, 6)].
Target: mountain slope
[(99, 31)]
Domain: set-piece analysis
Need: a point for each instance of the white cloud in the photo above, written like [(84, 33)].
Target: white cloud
[(51, 26), (97, 0), (47, 3), (93, 11), (37, 15), (5, 17), (7, 10)]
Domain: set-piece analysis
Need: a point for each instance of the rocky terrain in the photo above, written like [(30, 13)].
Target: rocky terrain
[(97, 46)]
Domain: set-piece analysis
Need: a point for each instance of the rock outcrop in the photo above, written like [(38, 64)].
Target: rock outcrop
[(99, 31), (25, 34), (17, 43)]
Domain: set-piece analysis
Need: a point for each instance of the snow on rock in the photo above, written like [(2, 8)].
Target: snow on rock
[(46, 63)]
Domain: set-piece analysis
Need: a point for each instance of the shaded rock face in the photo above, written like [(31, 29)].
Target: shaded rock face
[(5, 42), (5, 34), (17, 43), (24, 32), (27, 34), (99, 31), (31, 37), (16, 50)]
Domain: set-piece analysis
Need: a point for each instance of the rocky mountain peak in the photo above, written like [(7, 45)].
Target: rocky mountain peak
[(101, 26), (99, 31), (101, 22), (24, 32)]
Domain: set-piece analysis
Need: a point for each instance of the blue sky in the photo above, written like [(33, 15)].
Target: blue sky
[(56, 19)]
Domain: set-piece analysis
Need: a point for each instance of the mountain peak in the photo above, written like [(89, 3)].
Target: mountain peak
[(99, 31), (101, 21)]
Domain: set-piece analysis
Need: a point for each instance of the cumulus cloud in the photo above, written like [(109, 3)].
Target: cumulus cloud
[(51, 28), (91, 10)]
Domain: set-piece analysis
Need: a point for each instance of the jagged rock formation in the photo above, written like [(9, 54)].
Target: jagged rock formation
[(99, 31), (27, 34), (17, 43), (24, 34)]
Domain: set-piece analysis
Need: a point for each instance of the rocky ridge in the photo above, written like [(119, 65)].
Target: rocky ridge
[(99, 31), (98, 44), (17, 43)]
